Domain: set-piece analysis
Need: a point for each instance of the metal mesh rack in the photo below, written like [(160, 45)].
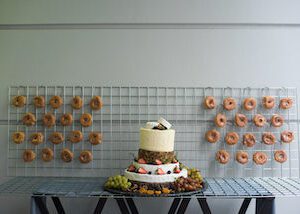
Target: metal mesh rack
[(126, 109)]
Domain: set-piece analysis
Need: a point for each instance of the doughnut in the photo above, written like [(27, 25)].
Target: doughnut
[(229, 103), (55, 102), (249, 139), (66, 119), (222, 156), (287, 136), (268, 138), (47, 154), (86, 119), (96, 103), (260, 158), (220, 120), (280, 156), (29, 119), (29, 155), (36, 138), (56, 137), (49, 120), (95, 138), (212, 136), (242, 157), (39, 101), (209, 102), (286, 103), (232, 138), (66, 155), (249, 103), (76, 136), (18, 137), (241, 120), (259, 120), (277, 120), (85, 156), (18, 101), (76, 102), (268, 102)]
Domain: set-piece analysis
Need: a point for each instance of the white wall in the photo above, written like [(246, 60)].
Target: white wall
[(245, 43)]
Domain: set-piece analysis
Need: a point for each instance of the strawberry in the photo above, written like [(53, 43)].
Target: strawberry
[(176, 170), (158, 162), (142, 161), (142, 171), (131, 168), (159, 171)]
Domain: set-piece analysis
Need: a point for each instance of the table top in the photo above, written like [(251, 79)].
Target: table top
[(93, 187)]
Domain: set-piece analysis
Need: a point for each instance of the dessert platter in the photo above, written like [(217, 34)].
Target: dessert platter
[(156, 169)]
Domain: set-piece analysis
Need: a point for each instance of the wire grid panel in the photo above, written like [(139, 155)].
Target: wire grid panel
[(126, 109)]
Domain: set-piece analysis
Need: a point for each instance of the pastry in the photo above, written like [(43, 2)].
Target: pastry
[(55, 102), (86, 120), (19, 101), (229, 103), (209, 102), (18, 137), (66, 155), (260, 158), (56, 138), (242, 157), (259, 120), (29, 119), (212, 136), (287, 136), (277, 120), (76, 102), (232, 138), (222, 156), (249, 139), (66, 119), (268, 102), (39, 101), (49, 120), (268, 138), (37, 138), (85, 156), (286, 103), (241, 120), (220, 120), (249, 103), (280, 156), (96, 103), (95, 138), (76, 136), (47, 154), (28, 155)]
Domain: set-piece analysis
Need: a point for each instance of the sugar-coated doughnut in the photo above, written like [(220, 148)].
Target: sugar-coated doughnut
[(268, 102), (66, 155), (56, 137), (259, 120), (222, 156), (241, 120), (56, 101), (277, 120), (260, 158), (86, 119), (28, 155), (18, 137), (249, 139), (287, 136), (37, 138), (268, 138), (29, 119), (76, 102), (280, 156), (39, 101), (85, 156), (19, 101), (49, 120), (242, 157), (66, 119), (249, 103), (232, 138), (95, 138), (96, 103), (286, 103), (209, 102), (76, 136), (47, 154), (212, 136), (220, 120), (229, 103)]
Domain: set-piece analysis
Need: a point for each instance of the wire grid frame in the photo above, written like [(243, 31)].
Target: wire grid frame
[(126, 109)]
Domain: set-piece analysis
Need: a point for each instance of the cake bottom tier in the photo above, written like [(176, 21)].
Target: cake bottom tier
[(151, 157)]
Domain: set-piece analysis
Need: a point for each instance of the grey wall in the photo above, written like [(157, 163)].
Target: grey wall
[(225, 43)]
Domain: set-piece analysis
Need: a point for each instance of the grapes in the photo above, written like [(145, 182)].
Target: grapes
[(117, 182), (195, 174)]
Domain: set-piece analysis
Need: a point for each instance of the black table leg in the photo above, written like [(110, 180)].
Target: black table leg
[(204, 206), (245, 206), (58, 205), (183, 205), (174, 205), (41, 204), (122, 205), (100, 205), (265, 205), (132, 206)]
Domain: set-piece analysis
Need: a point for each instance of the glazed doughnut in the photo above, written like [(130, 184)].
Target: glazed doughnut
[(18, 137), (66, 155), (287, 136), (222, 156), (259, 120), (76, 136), (49, 120), (260, 158), (249, 103), (209, 102), (96, 103), (241, 120), (66, 119), (268, 138), (29, 155), (56, 101), (220, 120), (19, 101), (85, 156), (242, 157), (95, 138), (212, 136), (56, 137), (249, 139), (232, 138), (29, 119), (86, 119), (268, 102), (39, 101), (76, 102), (229, 103), (280, 156), (37, 138), (286, 103), (277, 120), (47, 154)]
